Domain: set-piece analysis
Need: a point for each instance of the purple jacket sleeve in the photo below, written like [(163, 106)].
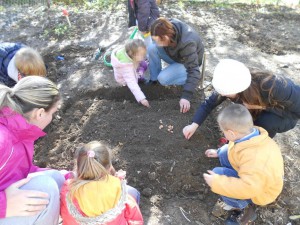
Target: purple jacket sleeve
[(2, 204)]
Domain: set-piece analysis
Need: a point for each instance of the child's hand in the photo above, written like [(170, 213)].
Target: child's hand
[(121, 174), (69, 175), (208, 177), (185, 105), (144, 102), (211, 153)]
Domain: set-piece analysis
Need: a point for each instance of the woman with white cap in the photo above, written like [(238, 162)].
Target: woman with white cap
[(273, 101)]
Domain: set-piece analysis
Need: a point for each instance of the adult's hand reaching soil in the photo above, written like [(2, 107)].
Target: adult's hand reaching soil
[(189, 130), (24, 202), (185, 105)]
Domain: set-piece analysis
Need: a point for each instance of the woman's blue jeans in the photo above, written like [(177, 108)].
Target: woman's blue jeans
[(174, 74), (227, 170)]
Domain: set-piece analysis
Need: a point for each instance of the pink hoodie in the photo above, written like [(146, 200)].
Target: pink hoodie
[(125, 74), (16, 146)]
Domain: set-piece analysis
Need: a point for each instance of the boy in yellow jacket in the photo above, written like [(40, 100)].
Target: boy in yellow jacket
[(251, 171)]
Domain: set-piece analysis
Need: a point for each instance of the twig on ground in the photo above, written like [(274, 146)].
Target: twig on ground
[(294, 217), (172, 167), (183, 213)]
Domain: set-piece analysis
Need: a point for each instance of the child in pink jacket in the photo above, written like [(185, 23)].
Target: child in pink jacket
[(126, 62)]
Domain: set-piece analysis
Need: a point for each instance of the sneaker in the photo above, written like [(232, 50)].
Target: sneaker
[(151, 82), (242, 217), (142, 80), (222, 141), (232, 217), (221, 208)]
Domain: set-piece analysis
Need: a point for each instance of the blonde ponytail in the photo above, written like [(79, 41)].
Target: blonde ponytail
[(29, 93), (6, 98), (92, 163)]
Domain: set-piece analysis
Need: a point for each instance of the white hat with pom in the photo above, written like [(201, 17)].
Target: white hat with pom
[(231, 77)]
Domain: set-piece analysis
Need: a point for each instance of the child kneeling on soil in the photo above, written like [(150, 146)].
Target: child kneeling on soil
[(18, 61), (94, 196), (251, 171), (129, 65)]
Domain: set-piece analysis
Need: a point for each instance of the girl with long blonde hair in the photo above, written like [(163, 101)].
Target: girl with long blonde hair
[(95, 195)]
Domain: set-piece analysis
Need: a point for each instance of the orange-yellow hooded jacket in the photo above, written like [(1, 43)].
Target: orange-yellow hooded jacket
[(259, 164)]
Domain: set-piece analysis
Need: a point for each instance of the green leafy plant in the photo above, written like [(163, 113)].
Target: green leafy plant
[(181, 4), (45, 33), (69, 2), (100, 4), (60, 29)]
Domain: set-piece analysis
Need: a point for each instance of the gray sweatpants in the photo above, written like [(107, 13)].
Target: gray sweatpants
[(49, 181)]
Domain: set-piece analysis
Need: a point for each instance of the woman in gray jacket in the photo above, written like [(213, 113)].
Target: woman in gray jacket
[(181, 47)]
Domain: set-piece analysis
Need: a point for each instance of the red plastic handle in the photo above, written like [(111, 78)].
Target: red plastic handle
[(65, 12)]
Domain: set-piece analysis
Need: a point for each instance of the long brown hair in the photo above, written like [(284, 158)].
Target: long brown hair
[(162, 27), (260, 82), (92, 162)]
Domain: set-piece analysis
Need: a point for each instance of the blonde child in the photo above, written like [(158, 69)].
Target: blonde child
[(18, 61), (125, 62), (94, 196), (251, 171)]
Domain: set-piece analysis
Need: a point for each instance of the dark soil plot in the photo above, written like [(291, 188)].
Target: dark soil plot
[(147, 143)]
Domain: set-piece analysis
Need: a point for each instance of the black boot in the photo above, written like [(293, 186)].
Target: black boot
[(151, 82), (242, 217)]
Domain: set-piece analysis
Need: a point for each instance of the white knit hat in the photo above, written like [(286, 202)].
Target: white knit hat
[(231, 77)]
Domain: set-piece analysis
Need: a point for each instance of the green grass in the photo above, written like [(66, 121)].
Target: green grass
[(102, 4), (226, 2), (61, 29)]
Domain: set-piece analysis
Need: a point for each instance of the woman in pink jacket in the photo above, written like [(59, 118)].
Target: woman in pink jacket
[(129, 65), (28, 194), (94, 195)]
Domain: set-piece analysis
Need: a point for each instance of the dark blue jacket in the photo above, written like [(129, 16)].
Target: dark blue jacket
[(7, 52), (288, 95), (144, 11), (189, 51)]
